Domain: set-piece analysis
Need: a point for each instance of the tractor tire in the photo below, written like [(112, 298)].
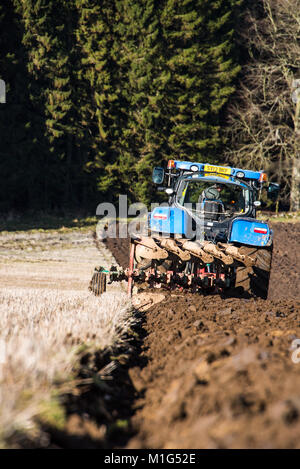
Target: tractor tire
[(98, 283), (254, 281)]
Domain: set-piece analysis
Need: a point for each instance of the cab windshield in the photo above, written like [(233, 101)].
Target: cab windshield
[(210, 197)]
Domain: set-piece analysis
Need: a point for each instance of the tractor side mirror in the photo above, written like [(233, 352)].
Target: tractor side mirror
[(273, 191), (158, 175)]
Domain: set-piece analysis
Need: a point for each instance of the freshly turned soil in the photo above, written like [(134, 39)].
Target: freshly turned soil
[(285, 273), (119, 247), (217, 372)]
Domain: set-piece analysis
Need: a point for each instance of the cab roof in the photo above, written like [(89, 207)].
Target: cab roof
[(208, 168)]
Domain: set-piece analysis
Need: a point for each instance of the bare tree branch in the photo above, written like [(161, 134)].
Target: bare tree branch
[(262, 130)]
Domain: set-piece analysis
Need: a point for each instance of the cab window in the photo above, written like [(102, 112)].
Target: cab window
[(234, 198)]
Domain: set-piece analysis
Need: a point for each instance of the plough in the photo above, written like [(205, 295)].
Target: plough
[(204, 266)]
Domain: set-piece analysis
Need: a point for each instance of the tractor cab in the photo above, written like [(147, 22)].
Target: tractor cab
[(213, 201), (214, 198), (210, 198)]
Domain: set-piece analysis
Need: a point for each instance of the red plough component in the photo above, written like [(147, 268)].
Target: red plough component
[(197, 268), (131, 269), (203, 278), (173, 280)]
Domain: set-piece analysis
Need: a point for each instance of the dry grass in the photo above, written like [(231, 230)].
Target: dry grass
[(43, 331), (284, 217)]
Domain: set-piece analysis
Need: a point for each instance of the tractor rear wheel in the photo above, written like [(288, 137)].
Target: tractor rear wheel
[(98, 283), (255, 280)]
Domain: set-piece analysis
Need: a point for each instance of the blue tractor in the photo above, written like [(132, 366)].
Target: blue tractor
[(206, 238)]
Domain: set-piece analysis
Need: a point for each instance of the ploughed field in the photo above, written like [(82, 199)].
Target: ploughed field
[(217, 372)]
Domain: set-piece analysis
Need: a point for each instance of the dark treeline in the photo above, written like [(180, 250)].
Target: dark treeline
[(100, 91)]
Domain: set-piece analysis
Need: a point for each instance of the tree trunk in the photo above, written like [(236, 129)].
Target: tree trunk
[(295, 186), (68, 194), (295, 189)]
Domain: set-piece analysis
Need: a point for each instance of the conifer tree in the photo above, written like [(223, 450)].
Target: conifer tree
[(100, 111), (140, 60), (49, 39), (177, 70), (20, 129), (100, 92), (198, 37), (37, 40)]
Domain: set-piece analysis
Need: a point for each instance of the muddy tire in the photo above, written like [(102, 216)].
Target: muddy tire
[(98, 283), (254, 281)]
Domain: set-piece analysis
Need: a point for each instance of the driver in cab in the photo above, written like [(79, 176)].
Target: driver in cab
[(214, 194), (211, 193)]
